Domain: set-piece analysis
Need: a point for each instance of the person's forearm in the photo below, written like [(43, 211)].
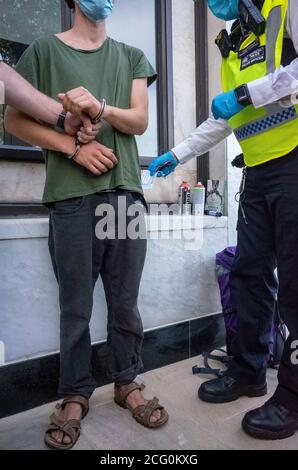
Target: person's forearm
[(30, 131), (275, 86), (203, 139), (131, 121), (127, 121), (23, 96)]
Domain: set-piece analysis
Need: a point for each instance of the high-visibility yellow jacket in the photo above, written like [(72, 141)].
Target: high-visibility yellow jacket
[(270, 132)]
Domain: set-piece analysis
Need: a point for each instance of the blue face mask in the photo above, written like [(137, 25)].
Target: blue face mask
[(96, 10), (224, 9)]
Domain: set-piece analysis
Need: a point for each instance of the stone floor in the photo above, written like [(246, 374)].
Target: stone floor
[(193, 424)]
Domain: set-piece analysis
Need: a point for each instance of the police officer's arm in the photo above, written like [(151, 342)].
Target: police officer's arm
[(284, 81), (21, 95), (203, 139)]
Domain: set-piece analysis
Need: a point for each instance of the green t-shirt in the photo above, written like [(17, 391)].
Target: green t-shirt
[(107, 72)]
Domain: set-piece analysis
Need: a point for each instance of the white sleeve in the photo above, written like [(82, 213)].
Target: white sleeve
[(284, 81), (1, 59), (203, 139)]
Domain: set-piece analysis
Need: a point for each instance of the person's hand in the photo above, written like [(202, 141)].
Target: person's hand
[(226, 106), (72, 124), (81, 127), (85, 136), (163, 165), (80, 101), (96, 158)]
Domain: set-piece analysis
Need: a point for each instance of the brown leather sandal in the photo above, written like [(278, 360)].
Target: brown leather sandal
[(70, 428), (142, 413)]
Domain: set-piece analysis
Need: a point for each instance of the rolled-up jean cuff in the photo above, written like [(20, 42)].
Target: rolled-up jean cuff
[(85, 391), (127, 376), (286, 398)]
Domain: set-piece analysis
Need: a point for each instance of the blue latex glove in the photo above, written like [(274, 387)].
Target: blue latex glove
[(163, 165), (225, 105)]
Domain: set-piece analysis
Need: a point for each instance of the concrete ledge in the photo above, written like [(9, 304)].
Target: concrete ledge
[(178, 283), (16, 229)]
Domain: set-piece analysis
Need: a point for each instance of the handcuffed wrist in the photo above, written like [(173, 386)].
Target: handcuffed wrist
[(98, 117), (75, 153)]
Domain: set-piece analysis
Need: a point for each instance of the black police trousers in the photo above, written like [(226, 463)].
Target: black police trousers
[(267, 239)]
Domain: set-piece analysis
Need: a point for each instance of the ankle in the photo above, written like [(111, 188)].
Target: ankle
[(72, 408)]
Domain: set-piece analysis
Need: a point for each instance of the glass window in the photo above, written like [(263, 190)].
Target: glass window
[(133, 22), (23, 21)]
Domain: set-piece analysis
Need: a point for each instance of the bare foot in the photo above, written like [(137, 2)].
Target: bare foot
[(136, 398), (70, 411)]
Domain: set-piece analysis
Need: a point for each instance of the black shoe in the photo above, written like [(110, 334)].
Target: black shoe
[(271, 421), (226, 389)]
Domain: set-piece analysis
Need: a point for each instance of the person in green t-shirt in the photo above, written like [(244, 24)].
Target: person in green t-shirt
[(107, 79)]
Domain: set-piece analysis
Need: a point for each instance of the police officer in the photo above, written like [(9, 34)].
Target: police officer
[(259, 79)]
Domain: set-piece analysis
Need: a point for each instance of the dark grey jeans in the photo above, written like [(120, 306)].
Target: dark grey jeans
[(79, 257)]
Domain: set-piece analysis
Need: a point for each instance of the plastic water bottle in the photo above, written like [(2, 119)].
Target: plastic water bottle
[(198, 199)]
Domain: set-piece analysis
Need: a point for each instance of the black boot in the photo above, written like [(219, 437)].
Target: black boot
[(271, 421), (226, 389)]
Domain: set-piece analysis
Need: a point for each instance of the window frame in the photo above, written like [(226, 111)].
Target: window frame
[(165, 100), (21, 153), (165, 85), (202, 80)]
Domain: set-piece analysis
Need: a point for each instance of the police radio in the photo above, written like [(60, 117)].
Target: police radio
[(250, 20), (250, 14), (224, 43)]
